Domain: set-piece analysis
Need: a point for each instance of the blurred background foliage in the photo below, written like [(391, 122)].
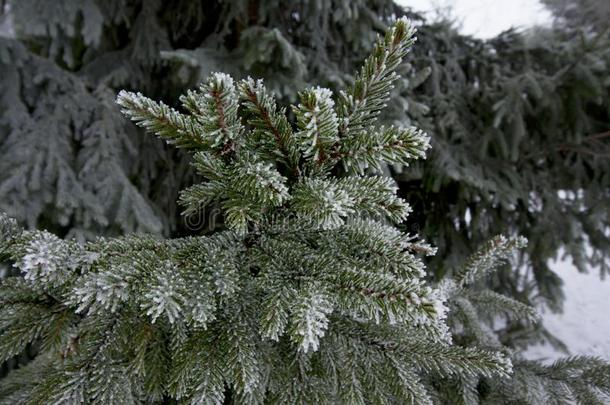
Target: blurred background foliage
[(520, 123)]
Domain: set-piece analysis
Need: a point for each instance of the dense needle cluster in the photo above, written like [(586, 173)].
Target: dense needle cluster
[(305, 292)]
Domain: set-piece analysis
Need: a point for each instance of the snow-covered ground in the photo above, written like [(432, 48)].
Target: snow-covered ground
[(584, 326)]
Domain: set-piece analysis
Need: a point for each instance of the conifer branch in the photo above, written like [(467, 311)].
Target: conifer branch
[(488, 258), (215, 107), (317, 122), (329, 202), (389, 145), (310, 317), (267, 120), (359, 107), (494, 303), (175, 128)]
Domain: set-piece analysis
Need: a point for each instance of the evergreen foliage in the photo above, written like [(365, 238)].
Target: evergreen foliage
[(520, 143), (590, 15), (84, 155), (518, 123), (518, 126), (474, 314), (307, 293), (292, 302)]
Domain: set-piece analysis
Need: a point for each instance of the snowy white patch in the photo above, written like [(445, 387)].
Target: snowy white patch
[(223, 79), (47, 259), (336, 204), (164, 296), (269, 182), (103, 291), (584, 325), (311, 320), (324, 96)]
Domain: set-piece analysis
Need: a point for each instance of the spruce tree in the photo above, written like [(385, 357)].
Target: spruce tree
[(518, 122), (305, 290), (94, 174)]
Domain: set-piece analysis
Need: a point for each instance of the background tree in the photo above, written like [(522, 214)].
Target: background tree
[(520, 142), (590, 15)]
